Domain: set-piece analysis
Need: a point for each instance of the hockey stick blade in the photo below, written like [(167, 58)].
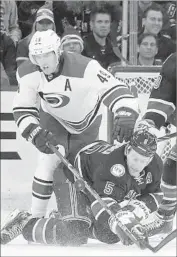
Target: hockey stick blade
[(165, 241), (167, 137), (142, 244)]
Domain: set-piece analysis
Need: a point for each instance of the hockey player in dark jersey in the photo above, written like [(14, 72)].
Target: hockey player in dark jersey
[(127, 178), (161, 105)]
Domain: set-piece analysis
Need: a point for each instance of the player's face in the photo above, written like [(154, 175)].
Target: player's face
[(153, 22), (44, 25), (101, 24), (47, 62), (148, 47), (73, 47), (136, 162)]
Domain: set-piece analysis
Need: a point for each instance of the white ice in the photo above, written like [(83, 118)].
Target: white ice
[(94, 248), (20, 247)]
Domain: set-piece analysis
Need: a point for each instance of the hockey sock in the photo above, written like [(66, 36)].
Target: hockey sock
[(41, 193), (55, 231), (169, 188), (46, 231)]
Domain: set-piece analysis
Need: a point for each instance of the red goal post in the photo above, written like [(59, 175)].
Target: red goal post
[(141, 80)]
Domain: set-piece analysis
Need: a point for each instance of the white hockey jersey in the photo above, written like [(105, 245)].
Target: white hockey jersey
[(72, 96)]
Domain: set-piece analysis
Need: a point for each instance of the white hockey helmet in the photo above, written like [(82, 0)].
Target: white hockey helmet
[(44, 42)]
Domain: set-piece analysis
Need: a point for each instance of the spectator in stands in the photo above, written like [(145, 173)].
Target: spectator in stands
[(4, 78), (8, 59), (98, 45), (71, 41), (26, 15), (115, 8), (44, 21), (147, 50), (152, 23), (63, 17), (142, 6), (164, 5), (9, 19)]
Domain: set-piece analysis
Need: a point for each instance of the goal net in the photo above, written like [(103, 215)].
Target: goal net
[(141, 81)]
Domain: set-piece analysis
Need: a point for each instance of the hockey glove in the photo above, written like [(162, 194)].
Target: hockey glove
[(148, 125), (128, 219), (39, 137), (139, 209), (124, 123)]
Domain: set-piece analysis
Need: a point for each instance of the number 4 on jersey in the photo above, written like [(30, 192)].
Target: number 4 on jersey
[(102, 79)]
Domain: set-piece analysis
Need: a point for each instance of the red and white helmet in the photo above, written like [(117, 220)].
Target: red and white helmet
[(44, 42), (144, 143)]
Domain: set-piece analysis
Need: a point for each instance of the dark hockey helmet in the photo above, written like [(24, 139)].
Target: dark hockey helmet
[(144, 143)]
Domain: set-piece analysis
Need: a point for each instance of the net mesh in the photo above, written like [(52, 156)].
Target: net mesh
[(141, 81), (166, 151), (142, 85)]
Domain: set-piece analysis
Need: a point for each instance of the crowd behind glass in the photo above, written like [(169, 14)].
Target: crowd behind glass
[(90, 28)]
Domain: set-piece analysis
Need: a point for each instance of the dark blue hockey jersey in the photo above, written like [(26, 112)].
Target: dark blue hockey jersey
[(104, 167)]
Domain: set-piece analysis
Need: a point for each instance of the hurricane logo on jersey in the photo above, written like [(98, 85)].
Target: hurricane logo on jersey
[(56, 100)]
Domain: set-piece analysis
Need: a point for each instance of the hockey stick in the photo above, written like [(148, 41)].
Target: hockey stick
[(165, 241), (142, 244), (167, 137)]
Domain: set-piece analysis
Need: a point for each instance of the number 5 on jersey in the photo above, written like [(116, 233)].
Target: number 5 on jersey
[(109, 188)]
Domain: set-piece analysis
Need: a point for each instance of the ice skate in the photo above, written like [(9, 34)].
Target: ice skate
[(157, 224), (14, 225)]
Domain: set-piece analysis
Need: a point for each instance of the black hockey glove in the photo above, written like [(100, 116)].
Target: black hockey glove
[(39, 137), (124, 123)]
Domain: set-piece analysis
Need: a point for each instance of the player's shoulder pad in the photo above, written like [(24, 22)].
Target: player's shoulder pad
[(95, 147), (158, 161), (27, 68), (85, 153), (169, 66), (91, 150), (171, 59), (114, 163), (156, 166), (74, 64)]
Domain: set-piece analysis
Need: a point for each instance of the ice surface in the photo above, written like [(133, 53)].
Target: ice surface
[(94, 248), (19, 247)]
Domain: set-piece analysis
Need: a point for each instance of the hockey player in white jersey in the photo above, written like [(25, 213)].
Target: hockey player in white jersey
[(69, 88)]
